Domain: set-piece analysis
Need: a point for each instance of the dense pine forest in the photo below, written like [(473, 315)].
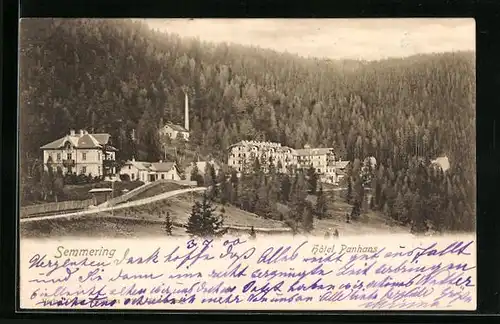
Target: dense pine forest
[(116, 76)]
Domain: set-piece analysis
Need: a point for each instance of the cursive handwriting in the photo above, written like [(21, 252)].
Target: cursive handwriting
[(203, 273)]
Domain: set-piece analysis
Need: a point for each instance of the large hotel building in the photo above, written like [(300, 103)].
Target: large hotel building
[(242, 155)]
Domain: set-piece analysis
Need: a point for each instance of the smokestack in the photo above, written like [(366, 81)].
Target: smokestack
[(186, 111)]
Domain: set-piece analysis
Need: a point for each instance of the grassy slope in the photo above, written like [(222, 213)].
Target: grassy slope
[(159, 188), (179, 208)]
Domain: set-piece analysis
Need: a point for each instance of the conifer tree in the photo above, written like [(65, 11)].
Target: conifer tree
[(168, 224), (307, 218), (321, 207), (203, 221)]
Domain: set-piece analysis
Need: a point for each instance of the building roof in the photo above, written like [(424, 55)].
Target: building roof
[(342, 164), (162, 166), (313, 151), (176, 127), (443, 162), (139, 165), (81, 141), (153, 167)]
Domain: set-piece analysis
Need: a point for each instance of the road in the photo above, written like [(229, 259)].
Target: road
[(121, 206)]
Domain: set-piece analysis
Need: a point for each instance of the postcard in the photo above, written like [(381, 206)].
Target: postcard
[(247, 164)]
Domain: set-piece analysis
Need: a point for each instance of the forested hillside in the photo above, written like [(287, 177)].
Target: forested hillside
[(117, 75)]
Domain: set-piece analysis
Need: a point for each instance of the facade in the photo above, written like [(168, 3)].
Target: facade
[(174, 131), (81, 153), (321, 159), (149, 172), (242, 155)]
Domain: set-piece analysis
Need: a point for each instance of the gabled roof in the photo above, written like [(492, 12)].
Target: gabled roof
[(154, 167), (162, 166), (139, 165), (86, 141), (342, 164), (176, 127)]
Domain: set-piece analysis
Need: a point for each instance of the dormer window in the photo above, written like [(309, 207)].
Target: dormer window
[(67, 145)]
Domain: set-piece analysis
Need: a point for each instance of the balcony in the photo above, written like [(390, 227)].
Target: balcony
[(68, 163)]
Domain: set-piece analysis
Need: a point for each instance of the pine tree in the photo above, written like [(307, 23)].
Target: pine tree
[(168, 224), (321, 207), (298, 203), (312, 180), (307, 218), (349, 190), (203, 221), (356, 210)]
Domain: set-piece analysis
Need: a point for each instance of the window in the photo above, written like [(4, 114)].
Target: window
[(84, 156), (172, 176), (129, 167), (98, 156), (58, 156), (319, 170), (98, 170), (133, 176), (68, 156), (84, 170), (163, 176)]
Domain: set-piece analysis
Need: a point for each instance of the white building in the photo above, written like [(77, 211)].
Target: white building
[(321, 159), (242, 155), (81, 153), (174, 131), (442, 162), (149, 172)]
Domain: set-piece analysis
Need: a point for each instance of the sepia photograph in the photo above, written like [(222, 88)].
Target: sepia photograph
[(350, 139), (251, 126)]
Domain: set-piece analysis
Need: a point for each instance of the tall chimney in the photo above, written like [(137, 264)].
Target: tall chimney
[(186, 111)]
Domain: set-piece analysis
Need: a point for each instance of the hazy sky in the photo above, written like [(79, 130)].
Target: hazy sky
[(368, 39)]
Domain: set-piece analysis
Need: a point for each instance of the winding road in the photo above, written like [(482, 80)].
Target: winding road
[(120, 206)]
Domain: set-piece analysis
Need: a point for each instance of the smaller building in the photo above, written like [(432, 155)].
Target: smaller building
[(442, 162), (174, 131), (101, 195), (150, 171), (340, 170)]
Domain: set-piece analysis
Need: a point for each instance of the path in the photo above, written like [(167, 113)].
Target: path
[(121, 206)]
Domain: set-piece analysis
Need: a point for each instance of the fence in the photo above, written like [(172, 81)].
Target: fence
[(54, 207)]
